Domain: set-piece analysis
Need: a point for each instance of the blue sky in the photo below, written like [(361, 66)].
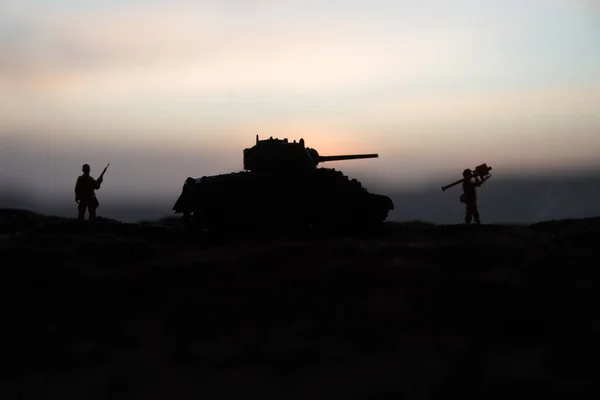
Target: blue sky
[(431, 85)]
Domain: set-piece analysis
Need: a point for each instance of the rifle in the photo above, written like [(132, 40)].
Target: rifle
[(101, 177)]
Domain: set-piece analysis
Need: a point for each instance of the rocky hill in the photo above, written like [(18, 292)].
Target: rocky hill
[(412, 310)]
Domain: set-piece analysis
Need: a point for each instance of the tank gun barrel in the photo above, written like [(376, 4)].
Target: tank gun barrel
[(346, 157)]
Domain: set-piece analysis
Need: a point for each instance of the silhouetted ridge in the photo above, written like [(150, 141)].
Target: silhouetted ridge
[(15, 220), (567, 224), (461, 310)]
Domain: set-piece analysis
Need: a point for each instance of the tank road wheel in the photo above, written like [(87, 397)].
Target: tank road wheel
[(378, 216), (213, 220), (188, 219), (199, 220), (365, 219)]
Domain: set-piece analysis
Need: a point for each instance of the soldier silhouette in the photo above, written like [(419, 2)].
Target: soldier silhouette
[(469, 196), (85, 196)]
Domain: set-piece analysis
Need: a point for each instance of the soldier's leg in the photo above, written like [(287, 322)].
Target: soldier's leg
[(471, 212), (81, 211), (476, 215), (94, 204), (92, 211), (468, 215)]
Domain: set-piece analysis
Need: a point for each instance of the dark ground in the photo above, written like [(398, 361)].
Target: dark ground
[(413, 311)]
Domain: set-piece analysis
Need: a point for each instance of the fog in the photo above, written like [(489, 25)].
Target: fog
[(507, 199), (168, 90), (143, 183)]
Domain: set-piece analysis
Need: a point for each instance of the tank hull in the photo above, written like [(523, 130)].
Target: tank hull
[(323, 197)]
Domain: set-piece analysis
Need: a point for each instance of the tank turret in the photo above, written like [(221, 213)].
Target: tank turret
[(280, 155)]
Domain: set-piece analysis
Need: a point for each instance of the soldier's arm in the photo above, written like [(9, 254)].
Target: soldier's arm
[(97, 183), (482, 180), (77, 185)]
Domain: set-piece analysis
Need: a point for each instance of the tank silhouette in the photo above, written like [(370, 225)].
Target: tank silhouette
[(281, 185)]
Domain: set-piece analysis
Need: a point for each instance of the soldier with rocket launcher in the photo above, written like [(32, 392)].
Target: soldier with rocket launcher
[(470, 181)]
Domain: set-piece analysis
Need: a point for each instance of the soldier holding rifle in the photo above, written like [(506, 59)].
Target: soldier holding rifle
[(471, 180), (85, 196)]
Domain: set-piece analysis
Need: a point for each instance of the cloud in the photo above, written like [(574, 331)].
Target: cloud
[(191, 50), (200, 70), (138, 66), (205, 49), (496, 105)]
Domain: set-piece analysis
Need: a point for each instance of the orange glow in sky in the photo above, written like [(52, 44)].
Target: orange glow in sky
[(439, 83)]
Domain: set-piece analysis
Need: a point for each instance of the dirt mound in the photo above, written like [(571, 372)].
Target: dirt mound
[(414, 311), (17, 220)]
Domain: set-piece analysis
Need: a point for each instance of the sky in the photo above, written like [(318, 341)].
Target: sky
[(164, 90)]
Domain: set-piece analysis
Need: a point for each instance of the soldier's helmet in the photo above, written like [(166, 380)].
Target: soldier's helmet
[(467, 172), (85, 168)]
